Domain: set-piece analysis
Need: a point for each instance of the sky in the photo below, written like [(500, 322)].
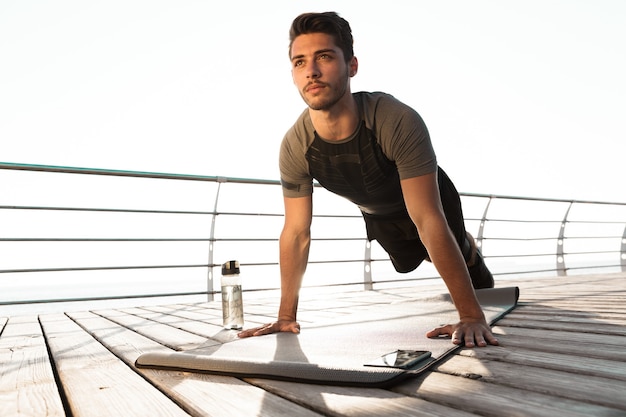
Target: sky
[(522, 98)]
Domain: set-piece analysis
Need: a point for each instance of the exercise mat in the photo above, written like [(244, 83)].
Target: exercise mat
[(335, 353)]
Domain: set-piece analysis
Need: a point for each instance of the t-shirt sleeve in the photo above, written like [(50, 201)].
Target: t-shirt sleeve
[(294, 173), (404, 138)]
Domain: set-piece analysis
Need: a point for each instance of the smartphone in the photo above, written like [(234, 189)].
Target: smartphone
[(402, 359)]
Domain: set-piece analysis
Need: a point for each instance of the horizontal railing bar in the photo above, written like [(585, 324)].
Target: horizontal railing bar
[(143, 211), (532, 255), (70, 239), (110, 210), (549, 200), (101, 268), (325, 239), (519, 239), (590, 237), (524, 255), (511, 220), (600, 252), (252, 214), (131, 267), (490, 220), (531, 239), (269, 239), (220, 179), (103, 298), (135, 174)]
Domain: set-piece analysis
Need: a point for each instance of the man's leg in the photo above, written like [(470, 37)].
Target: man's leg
[(480, 274), (399, 238)]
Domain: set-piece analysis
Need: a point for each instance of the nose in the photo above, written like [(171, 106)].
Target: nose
[(313, 70)]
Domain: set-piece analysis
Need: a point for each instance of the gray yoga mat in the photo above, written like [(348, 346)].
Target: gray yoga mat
[(335, 353)]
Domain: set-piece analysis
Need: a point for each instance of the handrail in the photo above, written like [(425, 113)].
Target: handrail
[(489, 236), (191, 177)]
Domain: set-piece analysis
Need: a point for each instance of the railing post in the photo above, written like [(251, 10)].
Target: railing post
[(561, 270), (622, 253), (210, 276), (481, 227), (367, 267)]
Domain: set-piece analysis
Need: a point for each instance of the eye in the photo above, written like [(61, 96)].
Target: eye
[(298, 63)]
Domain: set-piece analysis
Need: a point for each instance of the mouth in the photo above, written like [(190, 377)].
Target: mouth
[(314, 87)]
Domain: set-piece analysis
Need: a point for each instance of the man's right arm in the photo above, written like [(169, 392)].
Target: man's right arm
[(295, 240)]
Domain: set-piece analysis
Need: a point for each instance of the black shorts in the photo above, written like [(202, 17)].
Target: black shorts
[(398, 235)]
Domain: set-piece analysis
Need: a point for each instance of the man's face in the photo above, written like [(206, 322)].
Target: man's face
[(320, 71)]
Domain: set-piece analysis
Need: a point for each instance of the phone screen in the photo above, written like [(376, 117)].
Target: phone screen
[(400, 358)]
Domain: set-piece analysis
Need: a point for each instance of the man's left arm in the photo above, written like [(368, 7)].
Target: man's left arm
[(421, 196)]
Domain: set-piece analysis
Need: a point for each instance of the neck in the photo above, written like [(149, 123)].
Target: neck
[(338, 122)]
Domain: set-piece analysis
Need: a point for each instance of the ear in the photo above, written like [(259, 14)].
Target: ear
[(353, 66)]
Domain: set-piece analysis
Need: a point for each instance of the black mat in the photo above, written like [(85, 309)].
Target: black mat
[(335, 353)]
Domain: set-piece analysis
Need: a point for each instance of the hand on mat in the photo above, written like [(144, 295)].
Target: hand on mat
[(276, 327), (471, 332)]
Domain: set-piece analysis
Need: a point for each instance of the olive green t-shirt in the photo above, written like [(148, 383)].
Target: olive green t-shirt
[(390, 144)]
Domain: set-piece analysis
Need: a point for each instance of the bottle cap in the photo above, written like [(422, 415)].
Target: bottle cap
[(230, 268)]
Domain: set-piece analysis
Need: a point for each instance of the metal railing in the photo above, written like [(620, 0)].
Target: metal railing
[(69, 234)]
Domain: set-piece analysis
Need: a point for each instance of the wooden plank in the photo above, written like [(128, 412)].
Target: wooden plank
[(580, 365), (212, 325), (214, 334), (197, 322), (256, 312), (558, 296), (199, 394), (482, 398), (564, 337), (590, 328), (619, 317), (593, 390), (580, 344), (94, 381), (556, 316), (362, 402), (173, 319), (169, 336), (27, 385), (557, 290), (583, 299)]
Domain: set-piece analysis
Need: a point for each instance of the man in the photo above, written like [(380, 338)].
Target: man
[(375, 151)]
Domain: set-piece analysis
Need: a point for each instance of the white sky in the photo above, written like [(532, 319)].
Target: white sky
[(521, 97)]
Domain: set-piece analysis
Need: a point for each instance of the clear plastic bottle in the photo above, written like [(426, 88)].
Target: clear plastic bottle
[(232, 302)]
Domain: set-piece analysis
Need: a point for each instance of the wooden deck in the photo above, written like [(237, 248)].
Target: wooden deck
[(562, 354)]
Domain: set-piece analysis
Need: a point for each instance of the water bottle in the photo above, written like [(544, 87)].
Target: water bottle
[(232, 302)]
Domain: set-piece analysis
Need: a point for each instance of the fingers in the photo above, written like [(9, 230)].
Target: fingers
[(440, 331), (492, 340), (280, 326), (466, 334), (257, 331), (294, 328), (246, 333)]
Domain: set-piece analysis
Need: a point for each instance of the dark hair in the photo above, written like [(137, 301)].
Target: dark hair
[(329, 23)]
